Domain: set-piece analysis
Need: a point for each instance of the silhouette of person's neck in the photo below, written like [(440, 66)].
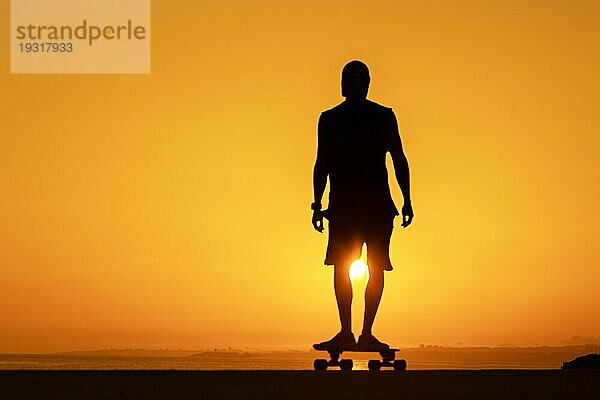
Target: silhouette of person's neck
[(355, 100)]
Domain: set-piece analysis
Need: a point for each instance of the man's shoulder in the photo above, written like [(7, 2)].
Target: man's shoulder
[(378, 107), (371, 105), (333, 109), (330, 115)]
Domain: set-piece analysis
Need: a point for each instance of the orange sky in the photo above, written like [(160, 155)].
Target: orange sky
[(172, 209)]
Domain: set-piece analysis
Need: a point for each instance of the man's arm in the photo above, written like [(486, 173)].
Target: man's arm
[(320, 173), (401, 169)]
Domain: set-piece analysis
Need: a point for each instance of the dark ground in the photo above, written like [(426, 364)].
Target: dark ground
[(443, 384)]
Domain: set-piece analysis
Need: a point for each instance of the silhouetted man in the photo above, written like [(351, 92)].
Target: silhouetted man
[(353, 140)]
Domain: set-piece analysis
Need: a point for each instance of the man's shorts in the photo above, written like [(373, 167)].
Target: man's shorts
[(346, 237)]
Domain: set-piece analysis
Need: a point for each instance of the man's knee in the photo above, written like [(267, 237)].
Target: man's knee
[(376, 272), (342, 271), (343, 265)]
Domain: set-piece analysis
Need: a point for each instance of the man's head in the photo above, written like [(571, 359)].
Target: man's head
[(355, 80)]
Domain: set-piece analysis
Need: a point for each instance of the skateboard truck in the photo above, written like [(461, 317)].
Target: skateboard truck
[(321, 364), (388, 359)]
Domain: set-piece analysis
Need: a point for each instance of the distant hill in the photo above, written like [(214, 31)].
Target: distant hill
[(131, 353), (550, 355), (475, 357)]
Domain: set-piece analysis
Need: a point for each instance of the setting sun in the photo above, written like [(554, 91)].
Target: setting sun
[(358, 270)]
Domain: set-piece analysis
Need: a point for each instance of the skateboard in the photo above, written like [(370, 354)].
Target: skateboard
[(388, 359)]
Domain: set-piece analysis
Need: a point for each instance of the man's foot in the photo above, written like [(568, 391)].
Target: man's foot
[(342, 341), (367, 341)]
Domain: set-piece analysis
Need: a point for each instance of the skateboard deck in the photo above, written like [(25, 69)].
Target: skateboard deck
[(388, 358)]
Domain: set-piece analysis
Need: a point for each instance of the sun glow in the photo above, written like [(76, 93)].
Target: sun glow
[(358, 270)]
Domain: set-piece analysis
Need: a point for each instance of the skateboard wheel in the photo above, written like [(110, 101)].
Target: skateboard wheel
[(400, 365), (374, 365), (320, 364), (346, 365)]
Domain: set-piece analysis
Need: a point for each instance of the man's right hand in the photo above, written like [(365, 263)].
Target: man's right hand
[(317, 221)]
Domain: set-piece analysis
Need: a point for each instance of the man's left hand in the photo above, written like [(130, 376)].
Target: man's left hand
[(407, 214)]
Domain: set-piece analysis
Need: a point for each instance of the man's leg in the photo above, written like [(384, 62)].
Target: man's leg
[(343, 295), (341, 249), (378, 259), (373, 294)]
